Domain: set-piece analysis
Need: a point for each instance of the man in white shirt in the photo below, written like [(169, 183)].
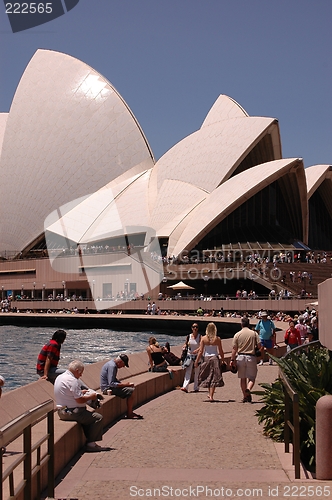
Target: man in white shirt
[(71, 402), (302, 329), (244, 357)]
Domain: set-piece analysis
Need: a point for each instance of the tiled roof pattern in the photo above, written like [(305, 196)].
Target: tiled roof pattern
[(225, 199), (315, 175), (79, 160), (208, 156), (224, 108), (3, 121), (68, 134), (104, 213)]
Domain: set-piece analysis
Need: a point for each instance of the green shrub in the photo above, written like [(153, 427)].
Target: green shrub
[(310, 374)]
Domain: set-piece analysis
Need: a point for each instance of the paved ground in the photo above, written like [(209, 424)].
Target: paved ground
[(187, 447)]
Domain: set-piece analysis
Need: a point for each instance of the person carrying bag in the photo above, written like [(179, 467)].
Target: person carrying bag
[(191, 347)]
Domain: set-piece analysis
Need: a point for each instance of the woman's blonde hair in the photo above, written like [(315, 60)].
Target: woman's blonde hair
[(211, 332), (153, 341)]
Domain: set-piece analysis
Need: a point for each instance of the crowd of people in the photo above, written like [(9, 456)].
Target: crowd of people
[(202, 360), (72, 396)]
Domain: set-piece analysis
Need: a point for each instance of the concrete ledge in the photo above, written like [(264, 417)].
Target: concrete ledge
[(68, 436)]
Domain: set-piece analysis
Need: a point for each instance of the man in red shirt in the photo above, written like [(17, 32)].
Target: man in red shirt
[(48, 358)]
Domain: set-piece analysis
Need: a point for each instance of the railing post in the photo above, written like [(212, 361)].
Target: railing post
[(1, 471), (296, 436), (294, 425), (27, 462), (50, 450), (22, 427), (286, 419)]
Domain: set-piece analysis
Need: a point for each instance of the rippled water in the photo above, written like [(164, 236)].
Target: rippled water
[(19, 348)]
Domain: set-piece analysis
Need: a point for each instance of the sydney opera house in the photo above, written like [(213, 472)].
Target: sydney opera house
[(86, 209)]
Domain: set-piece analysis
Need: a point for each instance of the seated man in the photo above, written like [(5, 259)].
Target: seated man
[(124, 390), (71, 402), (48, 358)]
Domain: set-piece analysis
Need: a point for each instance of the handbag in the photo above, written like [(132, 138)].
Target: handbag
[(184, 354), (257, 351), (286, 339), (223, 366), (233, 367), (185, 350), (186, 362)]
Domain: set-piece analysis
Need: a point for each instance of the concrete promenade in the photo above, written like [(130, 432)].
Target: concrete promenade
[(188, 447)]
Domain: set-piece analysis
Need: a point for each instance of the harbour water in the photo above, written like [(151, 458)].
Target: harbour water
[(19, 348)]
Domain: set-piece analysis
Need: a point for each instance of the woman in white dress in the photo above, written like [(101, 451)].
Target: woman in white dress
[(193, 348), (210, 348)]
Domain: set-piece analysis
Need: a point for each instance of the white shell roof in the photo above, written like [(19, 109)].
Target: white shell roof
[(315, 175), (175, 200), (70, 141), (223, 109), (202, 161), (68, 133), (106, 213), (3, 121), (226, 198), (208, 157)]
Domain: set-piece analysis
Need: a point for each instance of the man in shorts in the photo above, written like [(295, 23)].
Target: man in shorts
[(124, 390), (267, 335), (244, 358)]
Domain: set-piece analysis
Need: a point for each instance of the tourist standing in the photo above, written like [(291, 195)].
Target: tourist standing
[(314, 329), (244, 357), (292, 336), (266, 330), (193, 348), (302, 329), (210, 347)]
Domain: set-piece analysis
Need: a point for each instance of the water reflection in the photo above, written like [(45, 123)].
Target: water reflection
[(20, 348)]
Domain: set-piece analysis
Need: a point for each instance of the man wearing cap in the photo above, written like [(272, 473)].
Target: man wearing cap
[(266, 331), (109, 381)]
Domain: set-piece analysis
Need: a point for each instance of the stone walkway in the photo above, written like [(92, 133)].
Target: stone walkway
[(187, 447)]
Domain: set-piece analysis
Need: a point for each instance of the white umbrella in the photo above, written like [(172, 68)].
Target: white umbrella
[(181, 286)]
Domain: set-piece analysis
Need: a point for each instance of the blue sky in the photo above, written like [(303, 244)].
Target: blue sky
[(170, 59)]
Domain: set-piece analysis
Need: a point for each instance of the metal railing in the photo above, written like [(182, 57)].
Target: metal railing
[(291, 424), (32, 458), (303, 347), (292, 419)]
